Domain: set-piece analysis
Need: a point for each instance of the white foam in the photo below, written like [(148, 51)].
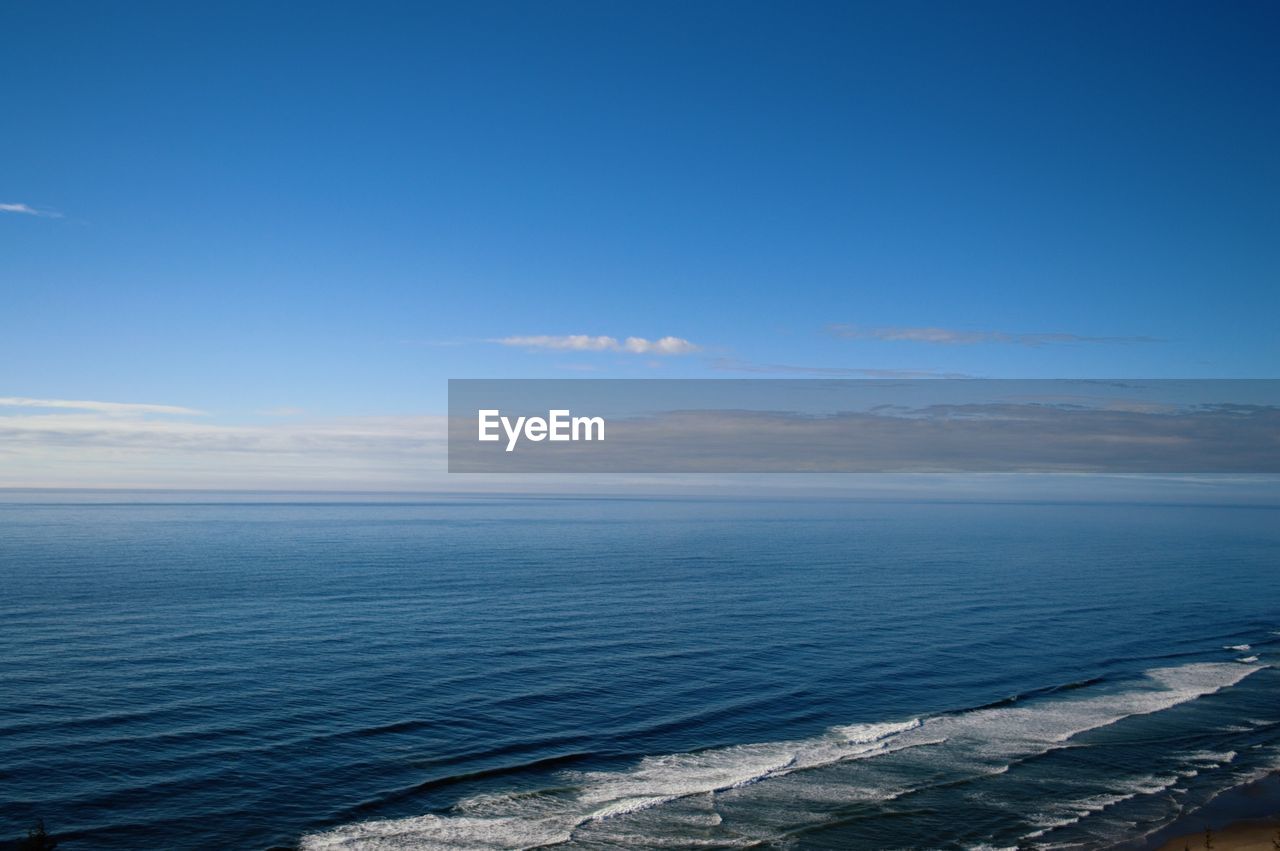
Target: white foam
[(1213, 759), (1065, 813), (978, 742), (864, 733), (1248, 660), (521, 820), (1239, 647)]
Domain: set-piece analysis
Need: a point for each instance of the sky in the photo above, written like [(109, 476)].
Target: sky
[(251, 227)]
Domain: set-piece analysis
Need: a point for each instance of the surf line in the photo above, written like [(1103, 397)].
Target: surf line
[(557, 425)]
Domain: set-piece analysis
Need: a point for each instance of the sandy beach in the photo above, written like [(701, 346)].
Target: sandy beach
[(1241, 836)]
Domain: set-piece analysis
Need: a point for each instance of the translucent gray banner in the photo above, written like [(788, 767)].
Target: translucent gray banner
[(863, 426)]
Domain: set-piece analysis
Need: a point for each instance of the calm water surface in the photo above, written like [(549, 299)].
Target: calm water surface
[(507, 673)]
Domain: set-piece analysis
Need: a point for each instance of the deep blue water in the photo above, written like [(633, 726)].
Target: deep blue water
[(503, 673)]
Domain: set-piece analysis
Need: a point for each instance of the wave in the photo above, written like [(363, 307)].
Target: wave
[(1239, 647), (764, 788), (1213, 759), (1059, 814), (1066, 813), (1039, 692)]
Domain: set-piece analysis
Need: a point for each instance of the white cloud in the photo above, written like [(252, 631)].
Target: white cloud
[(960, 337), (112, 408), (588, 343), (28, 211)]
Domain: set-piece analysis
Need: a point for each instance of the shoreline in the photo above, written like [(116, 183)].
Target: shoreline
[(1238, 836), (1242, 818)]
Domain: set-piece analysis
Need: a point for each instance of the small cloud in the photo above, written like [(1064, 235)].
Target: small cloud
[(28, 211), (587, 343), (570, 342), (112, 408), (664, 346), (732, 365), (959, 337)]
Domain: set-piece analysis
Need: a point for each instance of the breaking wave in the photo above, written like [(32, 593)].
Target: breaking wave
[(749, 793)]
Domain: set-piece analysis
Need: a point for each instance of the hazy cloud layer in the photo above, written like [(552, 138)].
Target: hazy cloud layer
[(958, 337), (117, 408), (734, 365), (122, 445), (588, 343), (117, 444), (347, 434)]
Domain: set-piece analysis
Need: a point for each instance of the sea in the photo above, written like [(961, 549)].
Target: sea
[(340, 673)]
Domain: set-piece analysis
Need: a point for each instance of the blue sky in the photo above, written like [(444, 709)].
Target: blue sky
[(325, 210)]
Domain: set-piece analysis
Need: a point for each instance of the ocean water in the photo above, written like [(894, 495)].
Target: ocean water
[(488, 673)]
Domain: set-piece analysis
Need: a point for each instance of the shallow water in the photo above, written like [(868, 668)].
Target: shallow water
[(500, 673)]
